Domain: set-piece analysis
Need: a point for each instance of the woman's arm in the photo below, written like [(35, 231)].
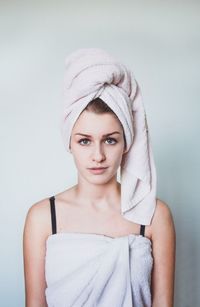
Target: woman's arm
[(36, 231), (164, 249)]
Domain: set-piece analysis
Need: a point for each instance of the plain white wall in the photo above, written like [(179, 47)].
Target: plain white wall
[(160, 41)]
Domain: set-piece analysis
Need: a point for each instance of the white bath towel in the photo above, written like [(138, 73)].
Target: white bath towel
[(92, 73), (90, 270)]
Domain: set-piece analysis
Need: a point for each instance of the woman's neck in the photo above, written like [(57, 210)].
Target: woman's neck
[(98, 196)]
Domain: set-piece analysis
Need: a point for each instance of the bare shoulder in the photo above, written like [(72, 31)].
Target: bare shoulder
[(39, 209), (164, 255), (162, 211), (38, 217), (36, 230), (162, 220)]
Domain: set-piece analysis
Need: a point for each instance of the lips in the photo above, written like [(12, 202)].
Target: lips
[(96, 168)]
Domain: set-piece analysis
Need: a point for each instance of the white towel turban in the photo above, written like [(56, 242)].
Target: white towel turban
[(91, 73)]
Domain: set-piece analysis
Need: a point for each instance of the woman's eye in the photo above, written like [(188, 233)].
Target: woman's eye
[(111, 139), (82, 141)]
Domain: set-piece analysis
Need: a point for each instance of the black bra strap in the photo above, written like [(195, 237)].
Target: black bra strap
[(142, 230), (53, 214)]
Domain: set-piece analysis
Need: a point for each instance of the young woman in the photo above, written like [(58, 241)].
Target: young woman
[(101, 242)]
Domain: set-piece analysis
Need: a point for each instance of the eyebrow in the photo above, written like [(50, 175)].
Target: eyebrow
[(87, 135)]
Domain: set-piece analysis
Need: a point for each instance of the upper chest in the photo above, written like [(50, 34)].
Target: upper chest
[(73, 218)]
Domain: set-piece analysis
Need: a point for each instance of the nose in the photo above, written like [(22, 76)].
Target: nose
[(98, 153)]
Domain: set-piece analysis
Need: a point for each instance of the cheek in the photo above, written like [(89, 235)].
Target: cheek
[(80, 156), (115, 156)]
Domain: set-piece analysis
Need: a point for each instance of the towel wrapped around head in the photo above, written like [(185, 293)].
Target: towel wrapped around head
[(92, 73)]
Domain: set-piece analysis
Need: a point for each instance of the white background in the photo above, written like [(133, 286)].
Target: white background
[(160, 42)]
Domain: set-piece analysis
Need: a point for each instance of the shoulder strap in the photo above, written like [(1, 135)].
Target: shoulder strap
[(142, 230), (53, 214)]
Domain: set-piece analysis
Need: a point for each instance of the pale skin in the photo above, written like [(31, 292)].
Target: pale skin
[(93, 206)]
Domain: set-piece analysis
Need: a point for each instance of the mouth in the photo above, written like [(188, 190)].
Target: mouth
[(97, 170)]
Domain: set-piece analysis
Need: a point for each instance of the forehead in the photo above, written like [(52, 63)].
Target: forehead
[(92, 123)]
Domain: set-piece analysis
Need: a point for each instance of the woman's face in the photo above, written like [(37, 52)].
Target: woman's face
[(97, 141)]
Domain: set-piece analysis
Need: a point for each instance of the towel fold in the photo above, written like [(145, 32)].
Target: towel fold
[(110, 272), (92, 73)]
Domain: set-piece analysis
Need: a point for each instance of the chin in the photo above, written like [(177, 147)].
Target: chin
[(100, 179)]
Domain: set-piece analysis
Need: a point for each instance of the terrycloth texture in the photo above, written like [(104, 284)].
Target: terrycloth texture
[(110, 272), (92, 73)]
